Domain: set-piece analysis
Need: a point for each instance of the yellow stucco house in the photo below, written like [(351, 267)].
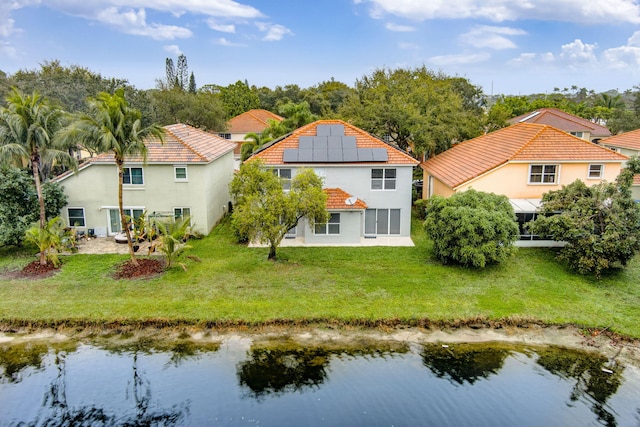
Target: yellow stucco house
[(627, 143), (522, 162)]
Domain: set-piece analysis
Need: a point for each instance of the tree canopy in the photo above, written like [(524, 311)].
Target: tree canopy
[(600, 223), (471, 228), (264, 211)]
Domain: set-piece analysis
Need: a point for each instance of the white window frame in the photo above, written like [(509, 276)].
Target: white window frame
[(130, 175), (286, 182), (543, 173), (84, 218), (175, 173), (578, 134), (225, 135), (601, 173), (384, 181), (329, 228), (182, 214)]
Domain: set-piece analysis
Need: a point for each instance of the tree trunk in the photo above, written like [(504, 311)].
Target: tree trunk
[(35, 167), (123, 219), (272, 253)]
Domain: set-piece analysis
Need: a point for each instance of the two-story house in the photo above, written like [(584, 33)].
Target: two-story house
[(576, 126), (368, 183), (188, 175), (522, 162), (252, 121), (627, 143)]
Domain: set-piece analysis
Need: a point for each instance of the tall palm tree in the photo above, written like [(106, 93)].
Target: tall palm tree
[(112, 126), (27, 128)]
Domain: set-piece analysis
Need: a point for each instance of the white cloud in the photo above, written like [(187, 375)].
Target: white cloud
[(173, 48), (492, 37), (532, 58), (224, 42), (624, 57), (460, 59), (275, 32), (399, 28), (216, 26), (592, 11), (578, 53), (135, 22)]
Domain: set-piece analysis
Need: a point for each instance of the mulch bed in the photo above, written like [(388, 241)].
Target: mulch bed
[(146, 268), (33, 271)]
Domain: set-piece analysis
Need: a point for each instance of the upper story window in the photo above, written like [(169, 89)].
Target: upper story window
[(180, 173), (330, 227), (285, 177), (596, 171), (132, 176), (543, 174), (225, 135), (76, 217), (578, 134), (383, 179)]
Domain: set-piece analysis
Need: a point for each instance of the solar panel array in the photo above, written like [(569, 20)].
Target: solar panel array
[(331, 145)]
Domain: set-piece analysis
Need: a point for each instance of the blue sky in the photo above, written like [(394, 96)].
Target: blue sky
[(528, 46)]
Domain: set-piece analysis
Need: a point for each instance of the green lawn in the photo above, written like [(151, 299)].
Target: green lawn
[(235, 283)]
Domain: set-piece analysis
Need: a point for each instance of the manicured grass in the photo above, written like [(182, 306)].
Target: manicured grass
[(235, 283)]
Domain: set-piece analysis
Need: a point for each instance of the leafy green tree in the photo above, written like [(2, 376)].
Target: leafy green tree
[(27, 128), (326, 98), (600, 224), (192, 84), (296, 115), (471, 228), (237, 98), (19, 203), (414, 108), (49, 240), (112, 126), (202, 109), (264, 211), (172, 237)]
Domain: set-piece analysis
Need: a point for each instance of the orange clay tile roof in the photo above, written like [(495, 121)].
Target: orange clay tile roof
[(629, 140), (563, 121), (182, 144), (251, 121), (523, 142), (636, 179), (336, 198), (273, 154)]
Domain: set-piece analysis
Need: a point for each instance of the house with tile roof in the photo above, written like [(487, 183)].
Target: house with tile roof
[(188, 175), (627, 143), (252, 121), (522, 162), (577, 126), (367, 181)]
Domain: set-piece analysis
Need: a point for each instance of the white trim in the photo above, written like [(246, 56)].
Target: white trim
[(542, 174), (131, 185), (326, 224), (383, 179), (84, 217), (595, 177), (186, 173)]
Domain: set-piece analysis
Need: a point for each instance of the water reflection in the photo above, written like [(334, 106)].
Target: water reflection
[(132, 382)]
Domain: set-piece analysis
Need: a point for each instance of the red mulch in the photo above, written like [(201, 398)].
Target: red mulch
[(33, 270), (146, 268)]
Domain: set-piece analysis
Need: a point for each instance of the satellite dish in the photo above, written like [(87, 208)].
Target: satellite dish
[(351, 201)]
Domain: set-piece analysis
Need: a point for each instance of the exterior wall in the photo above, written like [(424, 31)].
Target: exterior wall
[(438, 188), (351, 227), (205, 192), (512, 180), (625, 151), (635, 192)]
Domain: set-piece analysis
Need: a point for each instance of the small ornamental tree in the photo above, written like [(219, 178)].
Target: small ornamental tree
[(471, 228), (264, 211), (600, 224)]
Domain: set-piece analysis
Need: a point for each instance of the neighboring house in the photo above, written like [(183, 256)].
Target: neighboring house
[(188, 175), (522, 162), (627, 143), (577, 126), (252, 121), (368, 183)]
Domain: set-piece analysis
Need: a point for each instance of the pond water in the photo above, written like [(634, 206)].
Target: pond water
[(238, 382)]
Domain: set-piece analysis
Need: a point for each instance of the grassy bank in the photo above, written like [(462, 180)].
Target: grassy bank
[(235, 283)]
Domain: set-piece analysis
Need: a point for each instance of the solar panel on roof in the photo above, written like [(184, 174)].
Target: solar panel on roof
[(320, 142), (350, 154), (323, 130), (306, 142), (337, 130), (305, 155), (348, 142), (365, 155), (334, 155), (379, 155), (290, 155), (335, 142), (320, 155)]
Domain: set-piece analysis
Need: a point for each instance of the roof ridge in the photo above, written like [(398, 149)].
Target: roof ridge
[(189, 147), (570, 117), (523, 146)]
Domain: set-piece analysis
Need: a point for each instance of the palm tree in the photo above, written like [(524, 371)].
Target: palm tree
[(112, 126), (27, 127)]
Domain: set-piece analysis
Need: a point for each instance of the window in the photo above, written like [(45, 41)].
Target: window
[(180, 213), (180, 173), (543, 174), (330, 227), (132, 176), (596, 171), (383, 179), (76, 217), (578, 134), (381, 221), (285, 177), (225, 135)]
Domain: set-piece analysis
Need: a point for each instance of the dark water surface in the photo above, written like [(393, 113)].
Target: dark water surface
[(281, 383)]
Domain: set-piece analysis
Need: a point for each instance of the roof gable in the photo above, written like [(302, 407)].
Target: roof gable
[(338, 199), (252, 121), (562, 120), (630, 140), (280, 151), (523, 142)]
